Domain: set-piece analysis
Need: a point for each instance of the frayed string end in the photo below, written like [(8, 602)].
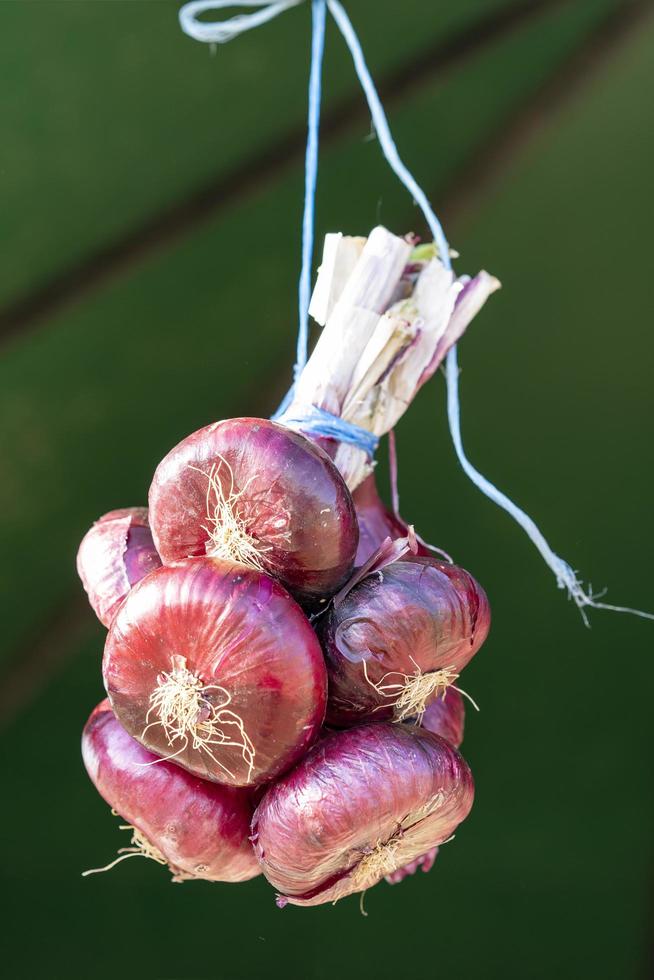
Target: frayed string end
[(566, 577)]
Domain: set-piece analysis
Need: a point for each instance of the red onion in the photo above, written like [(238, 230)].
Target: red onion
[(446, 717), (361, 804), (214, 666), (199, 829), (399, 637), (115, 554), (250, 490)]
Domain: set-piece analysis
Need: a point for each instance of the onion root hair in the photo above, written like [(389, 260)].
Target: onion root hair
[(186, 710)]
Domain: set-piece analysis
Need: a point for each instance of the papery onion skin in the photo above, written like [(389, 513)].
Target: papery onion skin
[(415, 616), (115, 554), (238, 630), (446, 717), (376, 522), (200, 828), (378, 784), (288, 494)]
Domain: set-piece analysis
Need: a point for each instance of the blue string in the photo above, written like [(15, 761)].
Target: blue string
[(382, 129), (318, 13), (566, 577), (310, 419), (317, 420)]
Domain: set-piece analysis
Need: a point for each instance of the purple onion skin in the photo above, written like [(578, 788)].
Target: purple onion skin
[(292, 501), (244, 638), (446, 717), (376, 522), (115, 554), (201, 829), (355, 790), (419, 614), (425, 862)]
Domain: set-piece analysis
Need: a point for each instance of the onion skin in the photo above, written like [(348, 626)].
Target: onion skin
[(420, 614), (200, 828), (376, 522), (378, 784), (446, 717), (115, 554), (425, 862), (290, 497), (238, 629)]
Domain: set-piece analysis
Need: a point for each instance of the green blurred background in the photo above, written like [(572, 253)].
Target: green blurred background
[(151, 198)]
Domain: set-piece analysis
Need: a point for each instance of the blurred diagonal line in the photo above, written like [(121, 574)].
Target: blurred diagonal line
[(61, 637), (473, 181), (42, 655), (170, 225)]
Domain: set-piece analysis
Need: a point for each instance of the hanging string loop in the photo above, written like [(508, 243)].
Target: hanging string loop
[(221, 31)]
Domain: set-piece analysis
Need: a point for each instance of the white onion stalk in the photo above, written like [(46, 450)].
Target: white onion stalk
[(390, 313)]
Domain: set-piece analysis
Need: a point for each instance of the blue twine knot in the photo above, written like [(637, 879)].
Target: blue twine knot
[(319, 422)]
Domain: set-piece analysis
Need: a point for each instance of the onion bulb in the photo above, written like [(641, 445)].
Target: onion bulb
[(198, 829), (251, 490), (115, 554), (215, 667), (399, 638), (362, 804)]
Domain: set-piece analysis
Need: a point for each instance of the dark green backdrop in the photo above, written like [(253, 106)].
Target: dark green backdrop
[(150, 197)]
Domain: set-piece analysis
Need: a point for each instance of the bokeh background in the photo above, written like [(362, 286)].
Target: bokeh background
[(150, 196)]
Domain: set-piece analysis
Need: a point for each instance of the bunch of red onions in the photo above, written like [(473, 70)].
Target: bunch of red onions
[(271, 707)]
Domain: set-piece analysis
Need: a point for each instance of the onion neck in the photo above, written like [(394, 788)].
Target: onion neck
[(388, 309)]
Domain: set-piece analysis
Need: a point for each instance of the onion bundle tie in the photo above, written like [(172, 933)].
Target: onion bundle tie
[(317, 422)]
